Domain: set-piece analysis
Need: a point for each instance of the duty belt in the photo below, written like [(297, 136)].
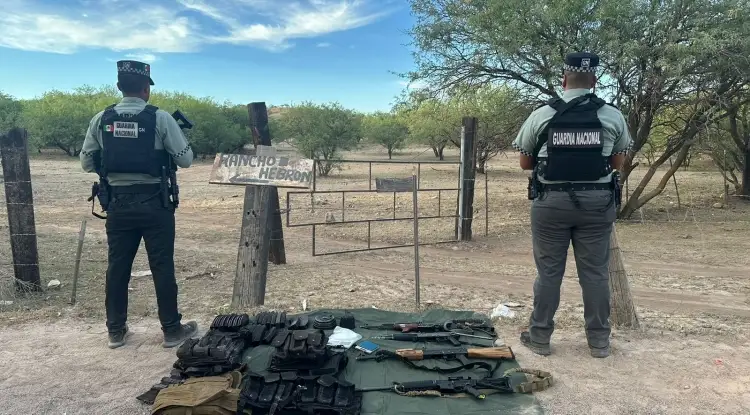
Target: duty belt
[(571, 188), (136, 189), (564, 187)]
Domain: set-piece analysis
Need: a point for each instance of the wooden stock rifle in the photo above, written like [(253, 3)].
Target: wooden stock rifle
[(461, 354)]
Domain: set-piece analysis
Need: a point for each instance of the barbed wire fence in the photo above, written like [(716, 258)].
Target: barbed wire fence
[(60, 204)]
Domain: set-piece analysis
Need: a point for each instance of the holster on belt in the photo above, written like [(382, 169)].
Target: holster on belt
[(165, 202), (617, 188), (103, 193), (533, 186)]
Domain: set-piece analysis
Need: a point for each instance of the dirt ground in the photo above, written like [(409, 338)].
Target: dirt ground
[(686, 263)]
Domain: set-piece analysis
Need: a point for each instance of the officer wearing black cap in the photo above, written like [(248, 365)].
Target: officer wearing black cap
[(572, 145), (129, 144)]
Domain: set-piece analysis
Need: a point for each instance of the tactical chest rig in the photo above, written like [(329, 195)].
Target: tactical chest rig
[(128, 146), (574, 138)]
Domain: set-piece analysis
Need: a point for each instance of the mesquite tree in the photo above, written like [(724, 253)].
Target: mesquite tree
[(654, 56)]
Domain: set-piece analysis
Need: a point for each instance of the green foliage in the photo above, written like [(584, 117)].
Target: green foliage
[(654, 56), (60, 119), (10, 113), (431, 122), (219, 128), (727, 141), (500, 112), (319, 131), (385, 129)]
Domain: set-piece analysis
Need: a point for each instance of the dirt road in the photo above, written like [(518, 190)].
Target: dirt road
[(727, 304)]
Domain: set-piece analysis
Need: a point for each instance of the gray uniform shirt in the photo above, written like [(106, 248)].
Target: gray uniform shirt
[(615, 131), (168, 137)]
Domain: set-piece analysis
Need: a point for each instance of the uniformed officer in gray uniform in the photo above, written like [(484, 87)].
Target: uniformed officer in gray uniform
[(572, 145), (130, 145)]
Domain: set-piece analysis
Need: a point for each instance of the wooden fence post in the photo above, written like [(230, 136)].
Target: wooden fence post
[(468, 174), (262, 136), (20, 205), (252, 258)]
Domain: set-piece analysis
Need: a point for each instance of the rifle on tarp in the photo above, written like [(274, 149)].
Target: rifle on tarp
[(541, 380), (449, 386), (462, 355), (452, 337), (446, 326)]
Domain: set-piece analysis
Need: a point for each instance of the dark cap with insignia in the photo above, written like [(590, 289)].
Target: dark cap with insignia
[(135, 68), (581, 62)]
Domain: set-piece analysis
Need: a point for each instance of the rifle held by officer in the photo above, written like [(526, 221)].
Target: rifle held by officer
[(452, 385), (171, 172), (101, 190), (182, 120)]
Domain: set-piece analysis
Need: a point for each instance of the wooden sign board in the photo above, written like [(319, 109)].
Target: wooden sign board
[(394, 185), (263, 169)]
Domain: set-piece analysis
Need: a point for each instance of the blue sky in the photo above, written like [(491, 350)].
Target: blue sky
[(277, 51)]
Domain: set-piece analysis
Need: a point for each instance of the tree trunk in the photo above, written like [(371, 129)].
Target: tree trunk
[(746, 172), (390, 153), (440, 153), (481, 167), (623, 312), (636, 201)]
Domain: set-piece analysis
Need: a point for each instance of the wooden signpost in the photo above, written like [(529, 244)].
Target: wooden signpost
[(264, 168), (261, 172)]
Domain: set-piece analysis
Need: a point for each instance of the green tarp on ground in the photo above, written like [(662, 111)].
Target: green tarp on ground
[(365, 374)]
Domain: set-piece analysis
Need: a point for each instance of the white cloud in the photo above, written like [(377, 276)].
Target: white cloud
[(156, 30), (323, 45), (286, 22), (143, 57), (185, 26)]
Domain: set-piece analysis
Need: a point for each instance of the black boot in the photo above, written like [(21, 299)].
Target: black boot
[(175, 338), (538, 348), (118, 339)]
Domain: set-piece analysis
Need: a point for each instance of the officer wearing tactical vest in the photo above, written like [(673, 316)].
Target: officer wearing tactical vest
[(129, 144), (572, 145)]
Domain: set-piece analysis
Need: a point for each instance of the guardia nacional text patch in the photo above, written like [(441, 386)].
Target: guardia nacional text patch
[(574, 138), (123, 129)]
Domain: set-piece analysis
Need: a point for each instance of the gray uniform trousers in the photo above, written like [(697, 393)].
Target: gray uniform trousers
[(555, 222)]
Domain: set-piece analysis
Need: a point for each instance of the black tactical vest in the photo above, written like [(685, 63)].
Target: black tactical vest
[(128, 143), (574, 138)]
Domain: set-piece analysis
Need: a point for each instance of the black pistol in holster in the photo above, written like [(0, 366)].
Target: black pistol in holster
[(533, 186), (617, 188), (101, 190)]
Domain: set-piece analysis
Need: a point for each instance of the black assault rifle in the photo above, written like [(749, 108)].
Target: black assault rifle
[(451, 386), (462, 355), (100, 190), (170, 171), (453, 337)]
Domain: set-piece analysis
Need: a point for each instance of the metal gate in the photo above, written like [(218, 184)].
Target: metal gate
[(369, 222)]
